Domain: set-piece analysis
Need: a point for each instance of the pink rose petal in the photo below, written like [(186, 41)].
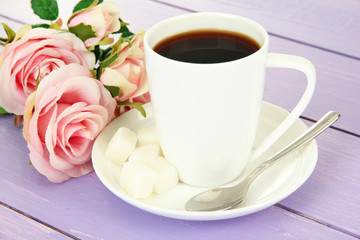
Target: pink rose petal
[(39, 49), (66, 120)]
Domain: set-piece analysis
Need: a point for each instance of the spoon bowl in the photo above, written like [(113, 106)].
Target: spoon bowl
[(223, 198)]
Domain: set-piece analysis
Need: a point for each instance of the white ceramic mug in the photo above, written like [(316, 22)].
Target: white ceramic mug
[(207, 114)]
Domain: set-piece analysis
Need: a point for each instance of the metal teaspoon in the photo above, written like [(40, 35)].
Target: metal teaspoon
[(223, 198)]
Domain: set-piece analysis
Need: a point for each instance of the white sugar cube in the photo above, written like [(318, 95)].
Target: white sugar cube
[(148, 135), (112, 170), (137, 179), (166, 174), (121, 145), (145, 153)]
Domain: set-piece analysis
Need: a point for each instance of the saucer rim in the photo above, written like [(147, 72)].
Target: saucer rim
[(183, 214)]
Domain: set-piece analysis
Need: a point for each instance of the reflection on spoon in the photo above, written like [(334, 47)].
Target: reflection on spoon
[(223, 198)]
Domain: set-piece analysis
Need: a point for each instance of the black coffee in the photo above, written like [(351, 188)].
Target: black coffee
[(207, 46)]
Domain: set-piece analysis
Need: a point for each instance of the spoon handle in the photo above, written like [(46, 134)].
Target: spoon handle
[(311, 133)]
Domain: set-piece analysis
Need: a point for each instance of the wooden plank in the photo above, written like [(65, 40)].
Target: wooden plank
[(129, 11), (328, 24), (84, 208), (338, 77), (337, 86), (332, 193), (16, 226)]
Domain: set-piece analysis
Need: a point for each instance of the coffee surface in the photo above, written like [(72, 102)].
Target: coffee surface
[(207, 46)]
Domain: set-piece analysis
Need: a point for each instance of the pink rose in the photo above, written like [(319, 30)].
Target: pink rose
[(128, 71), (62, 119), (39, 51), (104, 19)]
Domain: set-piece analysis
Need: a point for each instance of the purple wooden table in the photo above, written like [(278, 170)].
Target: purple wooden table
[(327, 206)]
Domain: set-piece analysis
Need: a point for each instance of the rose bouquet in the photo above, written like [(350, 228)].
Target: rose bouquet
[(68, 83)]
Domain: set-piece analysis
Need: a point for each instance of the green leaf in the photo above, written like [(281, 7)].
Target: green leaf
[(98, 53), (114, 90), (41, 26), (136, 105), (106, 41), (101, 54), (123, 27), (106, 53), (3, 111), (9, 32), (124, 30), (84, 4), (45, 9), (107, 62), (127, 35), (3, 41), (122, 23), (83, 32)]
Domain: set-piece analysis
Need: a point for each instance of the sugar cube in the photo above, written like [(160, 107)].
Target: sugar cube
[(137, 179), (144, 153), (148, 135), (121, 145), (166, 174)]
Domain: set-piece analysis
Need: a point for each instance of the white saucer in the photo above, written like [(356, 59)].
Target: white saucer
[(272, 186)]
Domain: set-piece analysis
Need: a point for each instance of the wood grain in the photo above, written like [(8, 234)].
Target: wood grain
[(332, 193), (83, 207), (326, 207), (328, 24), (338, 77), (14, 226), (337, 86)]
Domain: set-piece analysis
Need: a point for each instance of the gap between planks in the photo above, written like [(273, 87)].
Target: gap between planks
[(276, 205), (38, 220), (317, 221), (292, 40), (333, 127), (12, 19), (276, 35), (270, 33), (305, 118)]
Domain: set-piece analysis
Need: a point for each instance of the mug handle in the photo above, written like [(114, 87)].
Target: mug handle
[(293, 62)]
